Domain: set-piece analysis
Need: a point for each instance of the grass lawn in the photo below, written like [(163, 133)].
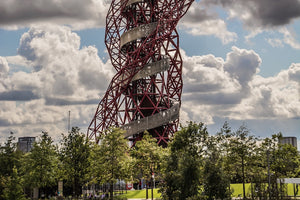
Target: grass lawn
[(137, 194), (238, 191)]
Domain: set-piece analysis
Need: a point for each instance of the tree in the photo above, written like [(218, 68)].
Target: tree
[(111, 158), (147, 159), (284, 162), (241, 148), (9, 159), (41, 162), (96, 172), (216, 182), (258, 171), (183, 171), (14, 190), (74, 154)]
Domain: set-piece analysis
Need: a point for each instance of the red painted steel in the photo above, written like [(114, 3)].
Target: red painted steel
[(127, 100)]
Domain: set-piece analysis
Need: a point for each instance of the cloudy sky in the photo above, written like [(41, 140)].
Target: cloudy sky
[(241, 65)]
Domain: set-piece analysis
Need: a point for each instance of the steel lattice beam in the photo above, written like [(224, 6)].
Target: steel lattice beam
[(145, 93)]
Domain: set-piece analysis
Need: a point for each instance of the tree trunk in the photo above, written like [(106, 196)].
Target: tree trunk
[(111, 190), (146, 190), (243, 176), (151, 188)]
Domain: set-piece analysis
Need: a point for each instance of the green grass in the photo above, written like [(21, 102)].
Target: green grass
[(238, 189), (138, 194), (290, 189), (237, 192)]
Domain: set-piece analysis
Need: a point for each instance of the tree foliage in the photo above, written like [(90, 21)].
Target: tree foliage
[(14, 190), (195, 165), (147, 158), (109, 160), (183, 171), (9, 159), (74, 154), (216, 181), (39, 167), (240, 146)]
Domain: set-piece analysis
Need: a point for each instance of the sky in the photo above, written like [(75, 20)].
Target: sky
[(241, 64)]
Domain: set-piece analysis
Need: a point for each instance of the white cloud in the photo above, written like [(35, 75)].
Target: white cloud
[(289, 37), (215, 27), (200, 21), (61, 76), (33, 117), (294, 72), (257, 14), (4, 68), (242, 64), (274, 42), (231, 89), (61, 68), (15, 14), (257, 17)]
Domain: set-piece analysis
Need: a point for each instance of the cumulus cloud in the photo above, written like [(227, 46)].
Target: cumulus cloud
[(242, 65), (78, 14), (60, 68), (294, 72), (212, 80), (232, 88), (60, 76), (30, 118)]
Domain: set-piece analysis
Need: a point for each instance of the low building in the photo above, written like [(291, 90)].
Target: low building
[(25, 144), (289, 140)]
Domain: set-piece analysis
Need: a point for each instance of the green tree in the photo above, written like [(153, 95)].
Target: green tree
[(147, 158), (277, 161), (284, 162), (183, 170), (216, 182), (258, 171), (74, 154), (9, 159), (40, 164), (111, 158), (241, 148), (14, 190), (223, 140), (96, 172)]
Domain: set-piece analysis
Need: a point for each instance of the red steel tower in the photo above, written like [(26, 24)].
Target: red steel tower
[(145, 93)]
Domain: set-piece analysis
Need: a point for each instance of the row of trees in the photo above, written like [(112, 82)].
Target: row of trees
[(76, 162), (195, 165), (203, 166), (44, 166)]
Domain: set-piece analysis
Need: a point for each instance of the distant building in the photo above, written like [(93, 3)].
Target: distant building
[(289, 140), (25, 144)]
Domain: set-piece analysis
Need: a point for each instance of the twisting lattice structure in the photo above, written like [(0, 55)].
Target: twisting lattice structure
[(145, 93)]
